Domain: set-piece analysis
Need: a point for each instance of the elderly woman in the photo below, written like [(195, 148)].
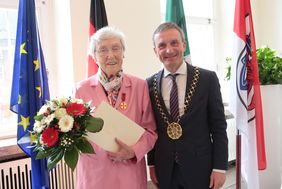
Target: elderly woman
[(125, 169)]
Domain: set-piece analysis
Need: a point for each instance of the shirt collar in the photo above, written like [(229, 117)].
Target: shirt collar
[(182, 70)]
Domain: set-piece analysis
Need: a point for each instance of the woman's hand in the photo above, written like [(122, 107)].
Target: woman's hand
[(125, 152)]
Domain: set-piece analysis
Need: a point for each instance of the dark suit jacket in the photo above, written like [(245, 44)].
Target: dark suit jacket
[(203, 145)]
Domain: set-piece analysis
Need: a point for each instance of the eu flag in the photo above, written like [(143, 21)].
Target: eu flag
[(30, 87)]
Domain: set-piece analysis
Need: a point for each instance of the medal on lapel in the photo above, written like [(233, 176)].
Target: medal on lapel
[(123, 104)]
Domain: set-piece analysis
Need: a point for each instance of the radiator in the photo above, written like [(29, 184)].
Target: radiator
[(17, 175)]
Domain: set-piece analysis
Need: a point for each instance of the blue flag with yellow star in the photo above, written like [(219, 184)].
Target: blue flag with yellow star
[(30, 87)]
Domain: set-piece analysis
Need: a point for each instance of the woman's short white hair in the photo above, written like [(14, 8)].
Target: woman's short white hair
[(106, 32)]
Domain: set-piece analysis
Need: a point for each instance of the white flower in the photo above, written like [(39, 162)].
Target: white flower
[(62, 100), (49, 118), (43, 109), (38, 127), (60, 112), (77, 100), (54, 104), (41, 141), (43, 121), (66, 123)]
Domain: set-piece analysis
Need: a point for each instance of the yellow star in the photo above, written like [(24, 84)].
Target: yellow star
[(24, 122), (19, 99), (22, 50), (39, 90), (36, 63), (33, 138)]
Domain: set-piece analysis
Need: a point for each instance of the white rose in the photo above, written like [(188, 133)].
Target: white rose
[(60, 112), (66, 123)]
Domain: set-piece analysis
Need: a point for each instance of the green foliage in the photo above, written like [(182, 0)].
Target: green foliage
[(228, 61), (269, 65), (94, 124), (54, 159), (85, 147), (71, 158)]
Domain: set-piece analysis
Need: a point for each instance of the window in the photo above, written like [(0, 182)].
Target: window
[(200, 28), (8, 29), (8, 24)]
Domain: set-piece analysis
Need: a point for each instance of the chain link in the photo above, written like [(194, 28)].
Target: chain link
[(188, 96)]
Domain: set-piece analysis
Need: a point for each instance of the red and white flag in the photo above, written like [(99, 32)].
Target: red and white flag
[(98, 19), (245, 102)]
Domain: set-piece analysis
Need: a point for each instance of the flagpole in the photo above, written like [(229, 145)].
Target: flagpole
[(238, 160)]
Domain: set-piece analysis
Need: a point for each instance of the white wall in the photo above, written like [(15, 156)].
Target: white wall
[(267, 23), (65, 29), (57, 43), (224, 19), (137, 19), (65, 32)]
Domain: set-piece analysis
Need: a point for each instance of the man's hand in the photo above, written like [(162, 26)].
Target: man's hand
[(125, 152), (217, 180), (153, 176)]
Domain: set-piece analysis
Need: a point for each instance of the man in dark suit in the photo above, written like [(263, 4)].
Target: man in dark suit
[(191, 151)]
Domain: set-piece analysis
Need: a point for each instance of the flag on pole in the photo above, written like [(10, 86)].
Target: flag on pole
[(29, 87), (98, 19), (175, 13), (245, 102)]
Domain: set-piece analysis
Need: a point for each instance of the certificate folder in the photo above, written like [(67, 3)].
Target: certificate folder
[(116, 125)]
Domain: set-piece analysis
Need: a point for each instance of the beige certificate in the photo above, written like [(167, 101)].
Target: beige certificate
[(116, 125)]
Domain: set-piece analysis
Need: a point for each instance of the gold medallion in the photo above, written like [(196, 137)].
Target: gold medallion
[(174, 130), (123, 105)]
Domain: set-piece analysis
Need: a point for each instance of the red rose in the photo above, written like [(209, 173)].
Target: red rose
[(50, 136), (75, 109)]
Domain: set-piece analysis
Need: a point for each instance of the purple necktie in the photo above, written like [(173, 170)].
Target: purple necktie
[(174, 107)]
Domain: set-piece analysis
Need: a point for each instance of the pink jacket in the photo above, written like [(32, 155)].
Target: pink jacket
[(97, 171)]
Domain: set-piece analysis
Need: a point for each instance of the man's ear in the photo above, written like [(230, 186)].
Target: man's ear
[(155, 50), (184, 45)]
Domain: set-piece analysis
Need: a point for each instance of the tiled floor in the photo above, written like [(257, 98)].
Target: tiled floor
[(230, 182)]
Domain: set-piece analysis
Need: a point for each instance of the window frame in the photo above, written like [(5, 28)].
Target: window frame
[(11, 133)]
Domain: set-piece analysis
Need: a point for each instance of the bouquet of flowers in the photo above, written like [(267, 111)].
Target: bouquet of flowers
[(60, 130)]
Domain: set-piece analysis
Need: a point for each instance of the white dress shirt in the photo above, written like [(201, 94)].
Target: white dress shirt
[(181, 80)]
